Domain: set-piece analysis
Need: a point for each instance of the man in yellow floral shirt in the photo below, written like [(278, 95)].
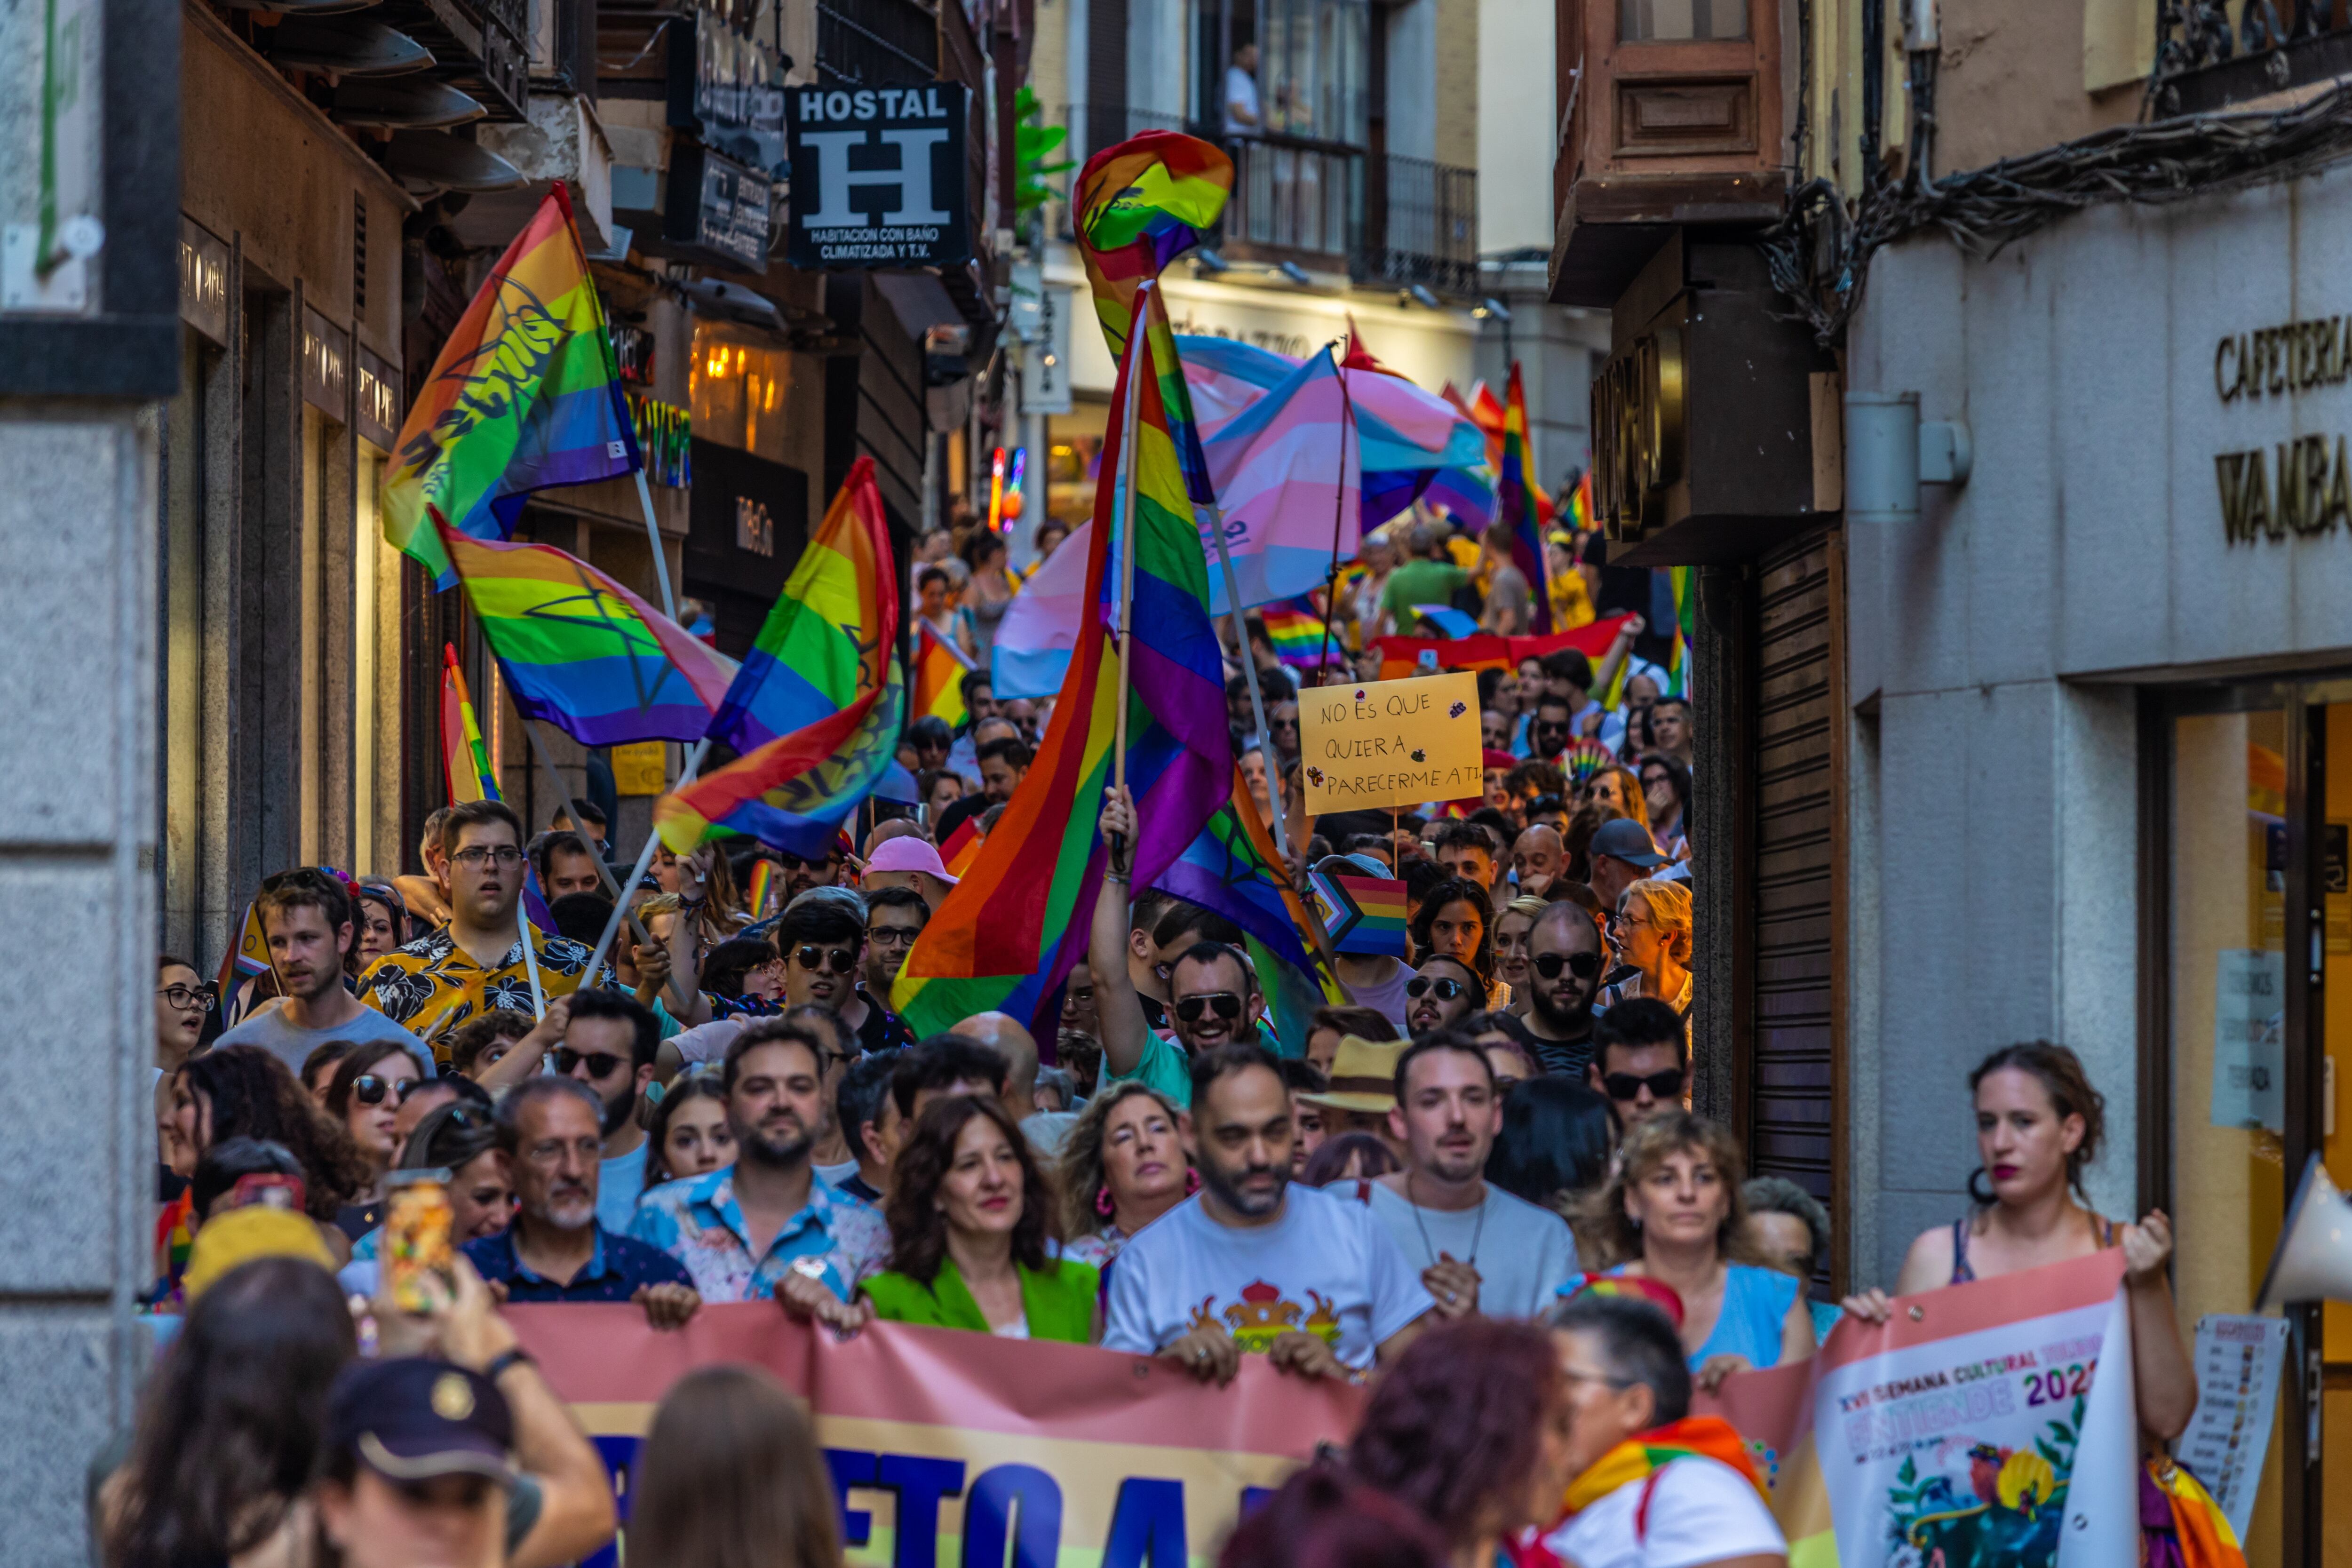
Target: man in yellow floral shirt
[(475, 964)]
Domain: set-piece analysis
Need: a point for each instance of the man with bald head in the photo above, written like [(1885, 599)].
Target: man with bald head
[(1013, 1042), (1564, 965), (1536, 859)]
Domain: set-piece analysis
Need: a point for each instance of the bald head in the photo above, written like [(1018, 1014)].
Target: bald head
[(897, 827), (1537, 858), (1018, 1047)]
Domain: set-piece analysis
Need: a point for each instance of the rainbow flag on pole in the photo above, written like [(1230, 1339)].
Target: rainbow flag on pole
[(581, 651), (1009, 932), (1519, 507), (939, 669), (817, 706), (1686, 584), (526, 395), (464, 757)]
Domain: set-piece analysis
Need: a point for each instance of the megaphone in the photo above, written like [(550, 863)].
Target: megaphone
[(2314, 1260)]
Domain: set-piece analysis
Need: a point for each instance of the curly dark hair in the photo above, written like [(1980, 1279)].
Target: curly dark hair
[(919, 1229), (1459, 891), (1455, 1427), (252, 1094)]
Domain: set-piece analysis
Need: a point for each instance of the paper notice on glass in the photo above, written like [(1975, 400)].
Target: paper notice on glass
[(2239, 1360), (2249, 1039)]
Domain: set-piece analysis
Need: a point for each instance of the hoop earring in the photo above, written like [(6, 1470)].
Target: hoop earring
[(1191, 1181), (1981, 1199), (1103, 1203)]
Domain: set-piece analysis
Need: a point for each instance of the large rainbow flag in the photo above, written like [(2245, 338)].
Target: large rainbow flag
[(817, 706), (526, 395), (581, 651), (1011, 931), (1516, 506)]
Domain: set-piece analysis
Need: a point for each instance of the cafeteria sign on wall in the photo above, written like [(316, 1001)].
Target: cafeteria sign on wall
[(878, 176)]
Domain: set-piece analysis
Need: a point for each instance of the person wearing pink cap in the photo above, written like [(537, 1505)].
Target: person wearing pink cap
[(908, 861)]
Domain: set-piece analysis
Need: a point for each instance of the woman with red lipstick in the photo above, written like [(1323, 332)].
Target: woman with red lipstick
[(1123, 1168), (971, 1215), (2039, 1124)]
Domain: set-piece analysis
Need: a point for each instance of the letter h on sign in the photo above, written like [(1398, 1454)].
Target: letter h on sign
[(911, 178)]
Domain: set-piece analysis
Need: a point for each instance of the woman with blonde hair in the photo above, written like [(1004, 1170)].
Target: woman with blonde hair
[(731, 1476), (1672, 1213), (1652, 931), (1512, 928), (1122, 1167)]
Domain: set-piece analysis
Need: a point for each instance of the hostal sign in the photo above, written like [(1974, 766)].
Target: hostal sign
[(878, 176), (2298, 485)]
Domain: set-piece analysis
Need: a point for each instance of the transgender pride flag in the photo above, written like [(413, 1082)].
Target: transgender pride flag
[(1287, 477)]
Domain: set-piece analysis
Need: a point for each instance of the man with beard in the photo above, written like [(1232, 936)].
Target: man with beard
[(747, 1231), (1482, 1250), (1253, 1262), (549, 1142), (308, 919), (609, 1042), (1564, 968)]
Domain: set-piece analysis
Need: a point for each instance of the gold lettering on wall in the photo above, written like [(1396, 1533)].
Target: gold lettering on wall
[(2299, 489)]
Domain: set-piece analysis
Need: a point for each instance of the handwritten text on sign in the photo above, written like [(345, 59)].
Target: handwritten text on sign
[(1390, 742)]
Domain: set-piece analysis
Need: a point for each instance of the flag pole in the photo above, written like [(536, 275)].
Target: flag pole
[(1135, 329), (637, 873), (661, 559), (1249, 673), (572, 811)]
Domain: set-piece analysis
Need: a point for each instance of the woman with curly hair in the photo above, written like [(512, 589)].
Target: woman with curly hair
[(1456, 920), (970, 1214), (1470, 1429), (1122, 1167)]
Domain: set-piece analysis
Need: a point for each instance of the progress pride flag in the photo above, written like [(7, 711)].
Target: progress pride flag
[(947, 1447)]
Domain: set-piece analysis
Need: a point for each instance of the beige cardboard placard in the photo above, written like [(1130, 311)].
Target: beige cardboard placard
[(1390, 742)]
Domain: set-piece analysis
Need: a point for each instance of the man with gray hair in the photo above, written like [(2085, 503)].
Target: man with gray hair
[(550, 1139)]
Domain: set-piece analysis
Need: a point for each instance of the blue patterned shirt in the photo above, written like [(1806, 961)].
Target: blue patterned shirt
[(698, 1222), (615, 1270)]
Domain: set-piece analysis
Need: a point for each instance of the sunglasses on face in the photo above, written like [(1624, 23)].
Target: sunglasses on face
[(1421, 985), (370, 1090), (187, 998), (1228, 1006), (600, 1063), (1627, 1086), (810, 956), (1583, 965), (797, 863)]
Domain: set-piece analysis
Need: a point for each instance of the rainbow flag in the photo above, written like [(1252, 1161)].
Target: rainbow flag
[(1364, 915), (1520, 506), (817, 707), (761, 889), (1580, 504), (1299, 637), (1686, 584), (962, 847), (1141, 206), (939, 669), (581, 651), (526, 395), (464, 757), (1009, 932)]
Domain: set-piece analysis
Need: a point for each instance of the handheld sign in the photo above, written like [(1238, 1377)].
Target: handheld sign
[(1390, 742)]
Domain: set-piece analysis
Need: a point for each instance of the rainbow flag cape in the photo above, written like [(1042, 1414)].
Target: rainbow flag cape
[(1646, 1453), (581, 651), (939, 669), (817, 707), (464, 757), (1011, 930), (1517, 508), (1362, 915), (526, 395)]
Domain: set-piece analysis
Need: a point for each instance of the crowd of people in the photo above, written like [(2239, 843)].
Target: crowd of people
[(1479, 1184)]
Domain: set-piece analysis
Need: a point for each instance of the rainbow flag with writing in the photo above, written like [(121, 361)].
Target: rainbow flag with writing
[(583, 652), (817, 706), (525, 396), (1012, 929)]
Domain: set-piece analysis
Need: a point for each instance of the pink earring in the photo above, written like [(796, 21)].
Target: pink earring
[(1191, 1181), (1103, 1203)]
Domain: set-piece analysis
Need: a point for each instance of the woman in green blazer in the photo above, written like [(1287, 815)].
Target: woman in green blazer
[(970, 1217)]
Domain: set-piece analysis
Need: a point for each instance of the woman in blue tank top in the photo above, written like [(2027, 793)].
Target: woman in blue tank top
[(1674, 1215)]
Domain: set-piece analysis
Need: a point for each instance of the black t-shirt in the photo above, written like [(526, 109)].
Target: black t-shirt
[(958, 810), (1559, 1058), (883, 1030)]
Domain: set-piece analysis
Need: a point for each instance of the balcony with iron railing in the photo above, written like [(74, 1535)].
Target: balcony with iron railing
[(2205, 62), (875, 42)]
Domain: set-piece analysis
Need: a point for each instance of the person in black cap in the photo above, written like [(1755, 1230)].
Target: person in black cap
[(1622, 855)]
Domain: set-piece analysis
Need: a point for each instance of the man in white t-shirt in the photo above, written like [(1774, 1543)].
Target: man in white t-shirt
[(1627, 1378), (1242, 117), (1253, 1262), (1479, 1249)]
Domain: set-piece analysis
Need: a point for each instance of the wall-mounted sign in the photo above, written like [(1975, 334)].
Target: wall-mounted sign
[(204, 281), (1046, 364), (878, 176), (375, 401), (2299, 486), (719, 207), (728, 88), (326, 366), (747, 522), (1637, 432)]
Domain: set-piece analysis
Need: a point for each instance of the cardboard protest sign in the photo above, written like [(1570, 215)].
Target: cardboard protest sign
[(1390, 742), (947, 1447)]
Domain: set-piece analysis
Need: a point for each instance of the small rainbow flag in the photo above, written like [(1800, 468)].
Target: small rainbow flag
[(762, 889), (464, 757), (1362, 915), (1298, 635), (939, 669), (1685, 585), (526, 395)]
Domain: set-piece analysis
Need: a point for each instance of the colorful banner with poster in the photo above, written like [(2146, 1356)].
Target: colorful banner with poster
[(967, 1445), (1992, 1422)]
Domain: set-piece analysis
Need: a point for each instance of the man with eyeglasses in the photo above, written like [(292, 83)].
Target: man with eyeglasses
[(609, 1044), (476, 961), (895, 917), (306, 916), (1564, 966), (823, 939), (1640, 1061), (556, 1248), (1282, 727)]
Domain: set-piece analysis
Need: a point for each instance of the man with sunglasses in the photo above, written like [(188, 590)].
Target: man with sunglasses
[(1642, 1062), (475, 962), (1564, 965), (1551, 727), (802, 873), (823, 940), (306, 916), (609, 1044), (1442, 994)]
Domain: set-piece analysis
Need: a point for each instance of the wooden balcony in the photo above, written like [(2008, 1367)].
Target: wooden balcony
[(1671, 115)]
